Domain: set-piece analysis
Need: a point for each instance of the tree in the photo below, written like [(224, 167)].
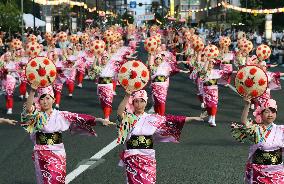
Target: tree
[(252, 20), (10, 17), (233, 17)]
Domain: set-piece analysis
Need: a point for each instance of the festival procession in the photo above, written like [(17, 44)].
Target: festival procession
[(141, 92)]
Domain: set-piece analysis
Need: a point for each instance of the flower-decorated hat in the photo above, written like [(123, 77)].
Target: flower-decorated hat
[(41, 72), (251, 80), (133, 75)]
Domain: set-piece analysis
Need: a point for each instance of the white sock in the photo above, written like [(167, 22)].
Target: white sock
[(210, 119)]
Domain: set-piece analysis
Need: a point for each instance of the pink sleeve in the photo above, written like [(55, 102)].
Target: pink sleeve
[(80, 123), (169, 128), (275, 84)]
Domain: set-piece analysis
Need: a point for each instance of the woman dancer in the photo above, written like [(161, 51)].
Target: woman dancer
[(45, 126), (264, 164), (139, 131)]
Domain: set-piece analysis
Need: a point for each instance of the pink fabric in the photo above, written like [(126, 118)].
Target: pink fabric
[(105, 93), (47, 90), (81, 65), (226, 77), (266, 174), (263, 174), (58, 87), (200, 87), (50, 166), (274, 83), (139, 168), (9, 85), (210, 96), (160, 90)]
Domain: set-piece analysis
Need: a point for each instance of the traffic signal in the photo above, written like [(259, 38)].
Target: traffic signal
[(140, 4)]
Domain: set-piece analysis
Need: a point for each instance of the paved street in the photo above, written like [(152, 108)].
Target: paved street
[(205, 155)]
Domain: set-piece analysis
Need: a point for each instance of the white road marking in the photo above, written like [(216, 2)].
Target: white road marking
[(233, 88), (95, 158)]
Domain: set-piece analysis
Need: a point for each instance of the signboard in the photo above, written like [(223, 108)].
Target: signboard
[(146, 17), (132, 4)]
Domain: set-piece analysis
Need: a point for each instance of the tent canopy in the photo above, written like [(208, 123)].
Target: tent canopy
[(29, 21)]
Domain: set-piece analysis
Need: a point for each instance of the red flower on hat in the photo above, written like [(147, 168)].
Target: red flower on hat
[(43, 82), (241, 90), (254, 93), (123, 69), (249, 82), (261, 82), (124, 82), (31, 76), (52, 73), (41, 71), (144, 73), (133, 74), (137, 85), (46, 62), (240, 75), (33, 64), (135, 64), (252, 71)]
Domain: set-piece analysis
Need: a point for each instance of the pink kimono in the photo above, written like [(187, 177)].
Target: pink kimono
[(140, 164), (50, 158), (257, 173)]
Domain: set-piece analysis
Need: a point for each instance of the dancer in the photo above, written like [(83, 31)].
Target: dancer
[(264, 164), (139, 131), (45, 125)]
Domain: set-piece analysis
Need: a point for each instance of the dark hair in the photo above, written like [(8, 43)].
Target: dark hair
[(273, 110), (44, 95)]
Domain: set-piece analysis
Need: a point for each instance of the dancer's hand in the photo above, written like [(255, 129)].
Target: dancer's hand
[(8, 121), (128, 92), (247, 99), (35, 85), (106, 122), (203, 115)]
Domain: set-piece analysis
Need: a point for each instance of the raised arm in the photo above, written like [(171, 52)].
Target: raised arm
[(30, 100), (247, 101), (123, 104)]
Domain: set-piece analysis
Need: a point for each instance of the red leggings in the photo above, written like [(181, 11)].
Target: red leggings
[(106, 109), (80, 77), (9, 102), (23, 88), (70, 86), (114, 85), (57, 97), (212, 111), (159, 107)]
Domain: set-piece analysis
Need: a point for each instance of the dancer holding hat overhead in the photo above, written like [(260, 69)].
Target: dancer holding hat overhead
[(45, 124), (265, 161), (139, 130)]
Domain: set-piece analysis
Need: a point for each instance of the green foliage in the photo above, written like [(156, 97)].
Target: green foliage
[(253, 21), (234, 17), (10, 16), (127, 18)]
